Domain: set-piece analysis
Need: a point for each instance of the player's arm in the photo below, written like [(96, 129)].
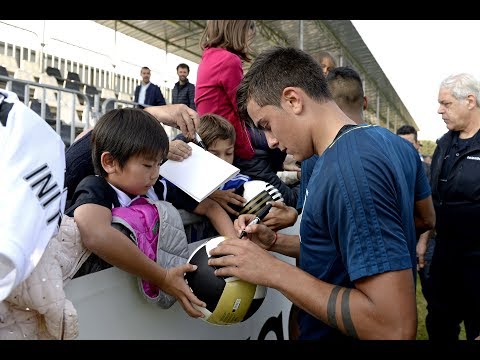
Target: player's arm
[(424, 214), (379, 307)]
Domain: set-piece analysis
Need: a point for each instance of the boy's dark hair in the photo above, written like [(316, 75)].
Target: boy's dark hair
[(274, 70), (346, 86), (183, 66), (214, 127), (125, 133), (407, 130)]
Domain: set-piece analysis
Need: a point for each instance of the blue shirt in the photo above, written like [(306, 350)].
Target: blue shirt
[(307, 169), (358, 213), (235, 182)]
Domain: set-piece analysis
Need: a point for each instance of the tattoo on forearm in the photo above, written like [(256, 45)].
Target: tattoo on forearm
[(331, 305), (346, 316)]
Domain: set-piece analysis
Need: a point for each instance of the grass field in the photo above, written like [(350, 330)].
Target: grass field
[(422, 312)]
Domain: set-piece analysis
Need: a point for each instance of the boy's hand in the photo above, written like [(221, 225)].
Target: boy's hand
[(176, 285), (226, 197)]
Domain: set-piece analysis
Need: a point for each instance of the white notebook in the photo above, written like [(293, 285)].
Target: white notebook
[(200, 174)]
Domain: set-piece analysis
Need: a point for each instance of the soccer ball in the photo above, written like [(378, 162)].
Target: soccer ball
[(258, 193), (229, 300)]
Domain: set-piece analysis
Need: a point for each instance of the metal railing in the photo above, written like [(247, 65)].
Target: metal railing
[(90, 115), (115, 102), (72, 123)]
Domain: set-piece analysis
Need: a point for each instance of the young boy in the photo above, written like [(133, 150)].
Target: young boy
[(218, 134), (128, 147)]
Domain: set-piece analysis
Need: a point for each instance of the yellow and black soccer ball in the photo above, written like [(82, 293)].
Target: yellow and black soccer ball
[(229, 300)]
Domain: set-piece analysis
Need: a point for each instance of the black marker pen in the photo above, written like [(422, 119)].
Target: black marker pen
[(261, 214)]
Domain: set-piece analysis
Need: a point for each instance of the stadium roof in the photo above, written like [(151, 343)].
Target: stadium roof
[(339, 37)]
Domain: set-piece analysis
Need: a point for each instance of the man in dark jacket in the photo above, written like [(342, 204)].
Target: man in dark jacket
[(183, 92), (455, 171), (147, 93)]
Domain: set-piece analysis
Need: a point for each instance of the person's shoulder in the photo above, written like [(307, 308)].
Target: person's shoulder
[(231, 58), (78, 155), (224, 55), (157, 88), (391, 137), (93, 181), (92, 190), (83, 138), (382, 131), (363, 134), (445, 137)]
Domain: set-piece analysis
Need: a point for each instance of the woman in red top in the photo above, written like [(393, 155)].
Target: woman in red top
[(225, 44)]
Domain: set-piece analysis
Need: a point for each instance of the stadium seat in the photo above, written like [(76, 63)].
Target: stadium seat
[(108, 94), (68, 96), (50, 95), (70, 84), (19, 88), (66, 106), (91, 91), (3, 72), (36, 106), (73, 76), (55, 72)]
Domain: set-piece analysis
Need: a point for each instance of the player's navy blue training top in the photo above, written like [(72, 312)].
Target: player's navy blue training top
[(358, 213)]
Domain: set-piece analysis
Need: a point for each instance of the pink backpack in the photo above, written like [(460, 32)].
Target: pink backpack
[(157, 229)]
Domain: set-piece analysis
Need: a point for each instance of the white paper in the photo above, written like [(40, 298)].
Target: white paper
[(200, 174)]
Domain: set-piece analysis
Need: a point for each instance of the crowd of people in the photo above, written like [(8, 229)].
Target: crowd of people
[(374, 212)]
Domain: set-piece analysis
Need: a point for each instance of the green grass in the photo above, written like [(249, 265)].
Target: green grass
[(422, 312)]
